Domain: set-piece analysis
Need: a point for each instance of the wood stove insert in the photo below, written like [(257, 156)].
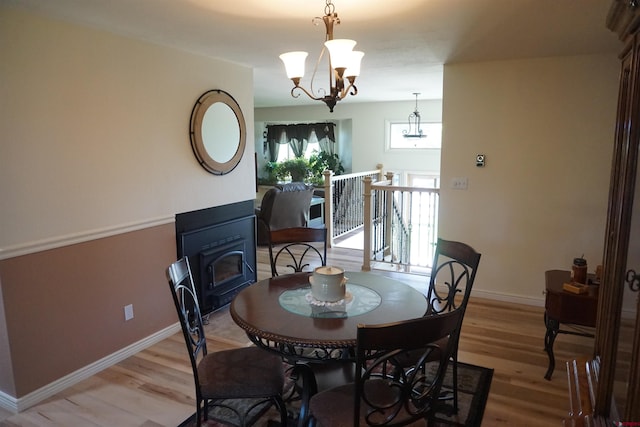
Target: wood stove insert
[(221, 245)]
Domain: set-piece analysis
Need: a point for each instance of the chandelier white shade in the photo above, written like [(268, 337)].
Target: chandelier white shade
[(294, 64), (353, 68), (344, 62), (340, 52)]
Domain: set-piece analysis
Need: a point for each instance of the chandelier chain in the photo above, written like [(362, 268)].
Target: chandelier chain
[(329, 8)]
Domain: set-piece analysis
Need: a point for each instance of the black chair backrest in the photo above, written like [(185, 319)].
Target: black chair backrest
[(390, 391), (186, 302), (292, 250), (452, 276)]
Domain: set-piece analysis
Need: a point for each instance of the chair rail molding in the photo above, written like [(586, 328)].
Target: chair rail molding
[(81, 237)]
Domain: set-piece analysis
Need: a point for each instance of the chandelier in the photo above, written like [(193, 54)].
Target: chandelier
[(344, 64), (414, 130)]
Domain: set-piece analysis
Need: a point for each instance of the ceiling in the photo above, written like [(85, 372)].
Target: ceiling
[(406, 42)]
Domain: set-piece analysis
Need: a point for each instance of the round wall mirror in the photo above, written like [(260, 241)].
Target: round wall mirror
[(218, 132)]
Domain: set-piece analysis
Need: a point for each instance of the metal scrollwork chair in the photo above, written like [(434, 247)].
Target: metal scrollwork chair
[(246, 381), (295, 249), (386, 392), (454, 270)]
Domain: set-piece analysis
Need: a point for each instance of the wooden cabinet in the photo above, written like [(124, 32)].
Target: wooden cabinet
[(624, 20)]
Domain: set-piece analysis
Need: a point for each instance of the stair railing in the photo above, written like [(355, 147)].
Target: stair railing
[(344, 201), (400, 226)]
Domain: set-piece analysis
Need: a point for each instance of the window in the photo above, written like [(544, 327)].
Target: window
[(283, 142), (397, 141), (285, 152), (423, 180)]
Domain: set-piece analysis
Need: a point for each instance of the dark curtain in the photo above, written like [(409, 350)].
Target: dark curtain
[(297, 136), (276, 135), (326, 137)]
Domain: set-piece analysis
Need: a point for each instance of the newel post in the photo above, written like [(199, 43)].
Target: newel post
[(368, 221), (388, 216), (379, 167), (328, 205)]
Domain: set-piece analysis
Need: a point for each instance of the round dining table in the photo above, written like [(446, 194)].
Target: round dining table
[(280, 314)]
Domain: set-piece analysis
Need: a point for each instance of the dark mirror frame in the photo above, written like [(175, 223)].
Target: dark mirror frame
[(209, 163)]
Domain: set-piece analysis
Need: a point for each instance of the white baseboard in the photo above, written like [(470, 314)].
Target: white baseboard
[(500, 296), (14, 405)]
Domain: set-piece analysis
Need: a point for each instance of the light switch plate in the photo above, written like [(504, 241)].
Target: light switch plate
[(460, 183)]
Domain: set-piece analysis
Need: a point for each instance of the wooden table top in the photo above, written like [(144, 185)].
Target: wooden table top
[(258, 311), (554, 279)]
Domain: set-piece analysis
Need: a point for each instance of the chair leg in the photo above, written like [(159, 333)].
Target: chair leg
[(282, 409), (455, 383), (199, 413)]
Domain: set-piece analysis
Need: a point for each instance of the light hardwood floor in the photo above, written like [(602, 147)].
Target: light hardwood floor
[(154, 387)]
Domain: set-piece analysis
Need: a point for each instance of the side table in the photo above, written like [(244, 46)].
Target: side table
[(563, 307)]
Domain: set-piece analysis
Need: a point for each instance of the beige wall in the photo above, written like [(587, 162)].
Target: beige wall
[(95, 161), (546, 127)]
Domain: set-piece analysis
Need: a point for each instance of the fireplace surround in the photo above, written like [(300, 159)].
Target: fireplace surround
[(220, 242)]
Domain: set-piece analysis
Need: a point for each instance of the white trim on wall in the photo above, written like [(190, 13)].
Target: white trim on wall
[(15, 405), (85, 236)]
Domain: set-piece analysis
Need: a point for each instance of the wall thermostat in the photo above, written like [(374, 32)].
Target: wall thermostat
[(480, 160)]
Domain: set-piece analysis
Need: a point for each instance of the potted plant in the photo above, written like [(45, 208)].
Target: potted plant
[(272, 170), (319, 162), (297, 168)]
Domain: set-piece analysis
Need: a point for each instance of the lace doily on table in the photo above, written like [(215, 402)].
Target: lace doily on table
[(348, 298), (363, 300)]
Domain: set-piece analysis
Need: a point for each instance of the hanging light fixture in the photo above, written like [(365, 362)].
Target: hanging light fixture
[(344, 64), (414, 130)]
